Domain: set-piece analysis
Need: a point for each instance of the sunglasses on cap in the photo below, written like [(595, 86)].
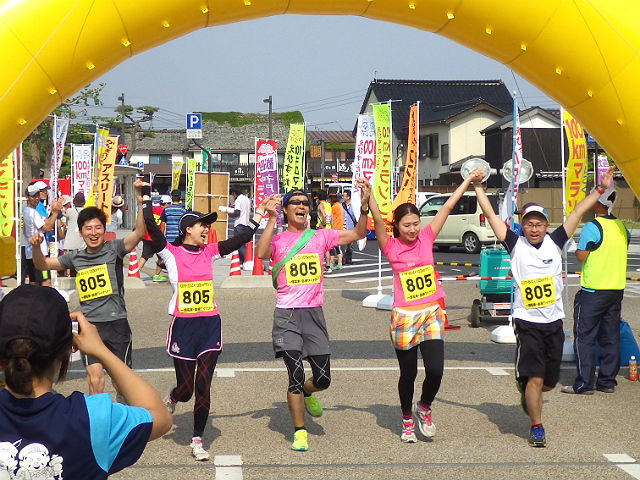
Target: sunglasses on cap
[(304, 203)]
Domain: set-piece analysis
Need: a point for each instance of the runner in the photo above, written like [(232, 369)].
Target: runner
[(299, 328), (417, 320), (194, 340)]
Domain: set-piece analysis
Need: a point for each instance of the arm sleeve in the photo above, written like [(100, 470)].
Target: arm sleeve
[(559, 236), (158, 240), (234, 243), (590, 237), (510, 240)]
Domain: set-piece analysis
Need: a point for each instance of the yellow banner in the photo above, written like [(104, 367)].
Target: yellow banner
[(7, 197), (191, 168), (576, 181), (407, 191), (292, 174), (176, 170), (101, 142), (105, 176), (382, 182)]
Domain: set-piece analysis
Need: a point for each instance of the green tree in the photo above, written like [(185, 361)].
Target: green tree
[(134, 119)]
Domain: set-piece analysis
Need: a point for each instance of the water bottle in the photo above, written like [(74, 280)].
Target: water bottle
[(633, 368)]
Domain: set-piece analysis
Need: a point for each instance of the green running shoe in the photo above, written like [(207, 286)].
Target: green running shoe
[(313, 406), (300, 441)]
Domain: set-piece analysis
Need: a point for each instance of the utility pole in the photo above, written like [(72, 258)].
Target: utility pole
[(270, 102), (121, 98), (322, 163)]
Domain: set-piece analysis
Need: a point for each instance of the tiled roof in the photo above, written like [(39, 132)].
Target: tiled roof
[(335, 136), (439, 99), (506, 121)]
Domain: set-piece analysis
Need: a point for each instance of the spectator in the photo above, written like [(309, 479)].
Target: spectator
[(240, 212), (171, 215), (349, 222)]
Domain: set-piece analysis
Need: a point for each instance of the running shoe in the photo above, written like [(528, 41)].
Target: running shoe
[(408, 435), (426, 425), (197, 451), (520, 385), (313, 406), (300, 441), (159, 278), (170, 404), (338, 266), (536, 436)]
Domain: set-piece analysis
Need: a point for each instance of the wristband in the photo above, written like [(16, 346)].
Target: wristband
[(364, 212), (262, 214), (600, 189), (254, 223)]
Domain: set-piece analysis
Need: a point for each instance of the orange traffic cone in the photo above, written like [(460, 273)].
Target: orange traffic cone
[(447, 325), (248, 257), (235, 264), (213, 236), (133, 264), (257, 267)]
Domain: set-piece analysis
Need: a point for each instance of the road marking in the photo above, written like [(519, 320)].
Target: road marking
[(370, 279), (347, 274), (624, 462), (497, 371), (228, 467)]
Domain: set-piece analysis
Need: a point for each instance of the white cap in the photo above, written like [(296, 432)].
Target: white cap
[(165, 199), (608, 198), (36, 187)]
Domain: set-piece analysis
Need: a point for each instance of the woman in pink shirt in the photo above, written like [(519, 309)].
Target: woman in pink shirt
[(417, 321)]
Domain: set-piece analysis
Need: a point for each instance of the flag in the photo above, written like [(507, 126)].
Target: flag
[(191, 170), (576, 181), (511, 196), (292, 168), (81, 168), (100, 143), (364, 162), (407, 190), (7, 200), (266, 178), (176, 170), (60, 129), (382, 190), (105, 176)]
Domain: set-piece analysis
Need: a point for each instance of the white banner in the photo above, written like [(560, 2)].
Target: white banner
[(81, 182), (364, 162), (60, 128), (511, 196)]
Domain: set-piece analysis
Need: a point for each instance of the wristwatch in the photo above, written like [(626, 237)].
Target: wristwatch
[(364, 212), (258, 212)]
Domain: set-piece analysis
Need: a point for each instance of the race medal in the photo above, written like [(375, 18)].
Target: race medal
[(418, 283), (538, 292), (303, 269), (195, 297), (93, 283)]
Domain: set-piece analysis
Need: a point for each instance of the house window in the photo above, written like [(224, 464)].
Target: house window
[(444, 153), (230, 159), (160, 159), (429, 146)]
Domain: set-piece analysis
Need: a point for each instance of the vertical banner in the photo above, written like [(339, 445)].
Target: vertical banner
[(576, 181), (602, 164), (105, 176), (100, 143), (60, 129), (81, 182), (176, 170), (7, 205), (407, 190), (364, 162), (292, 169), (191, 170), (266, 181), (511, 195), (382, 190)]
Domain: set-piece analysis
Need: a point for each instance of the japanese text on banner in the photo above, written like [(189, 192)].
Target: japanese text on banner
[(266, 169), (61, 127), (6, 196), (511, 196), (292, 168), (364, 162), (382, 190), (105, 176), (81, 169), (576, 181), (191, 170), (176, 170), (407, 190)]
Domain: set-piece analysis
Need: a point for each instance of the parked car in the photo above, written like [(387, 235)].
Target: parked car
[(466, 226), (422, 197)]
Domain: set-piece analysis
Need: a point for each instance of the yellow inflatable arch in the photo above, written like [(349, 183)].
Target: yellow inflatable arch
[(582, 53)]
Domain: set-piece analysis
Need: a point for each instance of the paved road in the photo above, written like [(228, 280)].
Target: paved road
[(481, 431)]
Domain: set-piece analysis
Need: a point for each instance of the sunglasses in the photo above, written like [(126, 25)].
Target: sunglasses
[(304, 203)]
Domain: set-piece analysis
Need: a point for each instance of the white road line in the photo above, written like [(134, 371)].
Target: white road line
[(228, 467), (347, 274), (370, 279), (497, 371), (625, 463)]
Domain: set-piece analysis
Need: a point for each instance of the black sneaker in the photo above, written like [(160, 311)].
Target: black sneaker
[(521, 386), (536, 437)]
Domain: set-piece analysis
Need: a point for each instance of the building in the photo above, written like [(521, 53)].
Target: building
[(329, 156)]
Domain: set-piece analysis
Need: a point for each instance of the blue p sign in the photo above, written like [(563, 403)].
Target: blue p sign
[(194, 121)]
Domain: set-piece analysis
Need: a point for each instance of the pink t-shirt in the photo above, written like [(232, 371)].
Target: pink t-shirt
[(191, 278), (414, 281), (300, 280)]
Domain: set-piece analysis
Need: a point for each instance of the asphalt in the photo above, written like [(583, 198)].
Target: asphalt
[(481, 431)]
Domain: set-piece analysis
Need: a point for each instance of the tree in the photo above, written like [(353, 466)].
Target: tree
[(38, 146), (133, 124)]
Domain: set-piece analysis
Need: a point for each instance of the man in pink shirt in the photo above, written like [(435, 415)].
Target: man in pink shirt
[(299, 328)]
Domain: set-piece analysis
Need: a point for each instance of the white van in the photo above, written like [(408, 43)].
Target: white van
[(466, 225), (337, 188)]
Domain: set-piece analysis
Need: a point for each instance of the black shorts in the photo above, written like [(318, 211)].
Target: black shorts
[(28, 268), (539, 350), (116, 335), (335, 251), (147, 249), (190, 337)]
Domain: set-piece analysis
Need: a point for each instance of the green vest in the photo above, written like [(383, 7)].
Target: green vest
[(606, 267)]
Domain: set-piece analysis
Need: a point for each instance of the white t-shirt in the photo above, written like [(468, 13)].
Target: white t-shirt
[(33, 222), (243, 205)]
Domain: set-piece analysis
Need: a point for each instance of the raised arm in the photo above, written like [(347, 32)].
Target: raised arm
[(132, 239), (378, 222), (50, 221), (496, 223), (40, 261), (571, 223), (360, 229), (445, 210)]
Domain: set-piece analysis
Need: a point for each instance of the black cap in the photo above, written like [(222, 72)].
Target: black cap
[(38, 313), (189, 219), (176, 194)]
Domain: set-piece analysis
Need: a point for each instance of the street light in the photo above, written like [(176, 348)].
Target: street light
[(270, 102)]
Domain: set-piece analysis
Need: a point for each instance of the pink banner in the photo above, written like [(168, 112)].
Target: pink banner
[(266, 182)]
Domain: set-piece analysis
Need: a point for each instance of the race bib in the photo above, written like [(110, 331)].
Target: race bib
[(303, 269), (538, 292), (418, 283), (195, 297), (93, 283)]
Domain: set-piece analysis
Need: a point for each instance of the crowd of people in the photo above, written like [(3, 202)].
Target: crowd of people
[(34, 353)]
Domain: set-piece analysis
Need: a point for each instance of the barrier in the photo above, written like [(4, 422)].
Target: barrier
[(248, 257), (235, 264)]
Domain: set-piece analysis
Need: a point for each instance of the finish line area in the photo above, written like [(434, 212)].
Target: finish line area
[(481, 430)]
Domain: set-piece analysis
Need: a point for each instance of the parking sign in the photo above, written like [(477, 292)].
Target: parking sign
[(194, 125)]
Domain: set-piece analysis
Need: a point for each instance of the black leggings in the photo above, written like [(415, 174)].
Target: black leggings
[(185, 369), (432, 352), (320, 369)]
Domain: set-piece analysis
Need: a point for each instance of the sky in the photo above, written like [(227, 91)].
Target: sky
[(319, 65)]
